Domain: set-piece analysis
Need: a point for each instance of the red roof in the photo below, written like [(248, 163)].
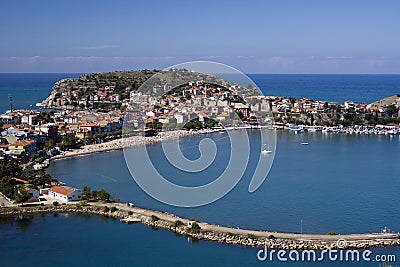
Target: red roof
[(23, 143), (19, 180), (63, 190)]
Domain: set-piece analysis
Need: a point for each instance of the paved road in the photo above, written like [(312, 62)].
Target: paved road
[(137, 212), (4, 202)]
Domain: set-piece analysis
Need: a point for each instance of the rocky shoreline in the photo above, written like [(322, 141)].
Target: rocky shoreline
[(216, 233)]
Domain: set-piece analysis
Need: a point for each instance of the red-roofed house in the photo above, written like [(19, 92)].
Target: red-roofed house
[(29, 146), (65, 193)]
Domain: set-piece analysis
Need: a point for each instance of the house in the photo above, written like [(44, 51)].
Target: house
[(65, 193), (83, 133), (29, 146), (51, 130), (115, 98), (32, 193), (244, 109)]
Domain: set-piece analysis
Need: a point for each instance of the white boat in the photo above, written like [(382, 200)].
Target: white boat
[(297, 129), (304, 143), (265, 152)]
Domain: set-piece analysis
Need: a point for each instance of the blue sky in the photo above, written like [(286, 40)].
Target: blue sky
[(253, 36)]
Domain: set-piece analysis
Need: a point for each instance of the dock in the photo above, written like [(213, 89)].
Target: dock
[(131, 220)]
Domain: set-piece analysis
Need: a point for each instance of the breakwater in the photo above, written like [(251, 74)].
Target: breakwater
[(216, 233)]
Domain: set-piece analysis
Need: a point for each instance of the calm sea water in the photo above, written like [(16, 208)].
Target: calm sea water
[(72, 240), (346, 184), (27, 88), (336, 183), (338, 87)]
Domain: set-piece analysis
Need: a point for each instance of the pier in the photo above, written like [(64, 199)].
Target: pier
[(217, 233)]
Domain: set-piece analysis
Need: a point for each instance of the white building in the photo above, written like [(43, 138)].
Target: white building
[(65, 193)]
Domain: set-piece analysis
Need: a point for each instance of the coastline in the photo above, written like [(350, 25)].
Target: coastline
[(209, 232), (217, 233), (122, 143), (134, 141)]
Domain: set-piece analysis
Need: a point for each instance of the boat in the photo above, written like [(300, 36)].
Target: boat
[(130, 220), (297, 129), (304, 143), (265, 152)]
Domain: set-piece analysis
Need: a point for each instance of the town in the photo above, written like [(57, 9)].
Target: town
[(30, 138)]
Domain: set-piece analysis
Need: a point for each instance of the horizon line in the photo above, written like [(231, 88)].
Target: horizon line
[(249, 73)]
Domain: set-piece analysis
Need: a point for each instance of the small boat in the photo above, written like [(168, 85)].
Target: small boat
[(130, 220), (265, 152), (304, 143)]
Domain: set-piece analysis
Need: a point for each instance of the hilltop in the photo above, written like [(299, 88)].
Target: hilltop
[(110, 90), (391, 100), (76, 92)]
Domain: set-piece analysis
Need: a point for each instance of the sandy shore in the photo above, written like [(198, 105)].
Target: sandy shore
[(124, 143)]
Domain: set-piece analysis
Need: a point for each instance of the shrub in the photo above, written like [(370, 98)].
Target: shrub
[(194, 219), (231, 234), (177, 224), (106, 209), (251, 236), (331, 233), (130, 212), (271, 237), (154, 218), (55, 203), (113, 209), (195, 228)]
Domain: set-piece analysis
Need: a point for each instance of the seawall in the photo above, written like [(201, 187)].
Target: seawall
[(217, 233)]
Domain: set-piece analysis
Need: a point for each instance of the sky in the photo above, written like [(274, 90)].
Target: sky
[(282, 36)]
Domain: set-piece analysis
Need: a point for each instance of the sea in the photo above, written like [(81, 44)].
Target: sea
[(337, 183)]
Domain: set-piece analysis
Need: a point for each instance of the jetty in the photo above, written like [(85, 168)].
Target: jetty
[(215, 233)]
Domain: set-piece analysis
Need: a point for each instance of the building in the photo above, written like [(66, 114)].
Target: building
[(32, 193), (51, 129), (245, 110), (65, 193), (28, 146)]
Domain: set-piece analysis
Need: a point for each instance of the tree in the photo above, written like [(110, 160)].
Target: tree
[(94, 194), (21, 196), (68, 141), (177, 224), (87, 192), (9, 168), (392, 110), (103, 195), (195, 228), (49, 144)]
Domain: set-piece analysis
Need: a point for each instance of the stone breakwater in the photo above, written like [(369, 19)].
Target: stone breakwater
[(216, 233)]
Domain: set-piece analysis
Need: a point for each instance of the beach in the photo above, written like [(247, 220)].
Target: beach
[(124, 142)]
